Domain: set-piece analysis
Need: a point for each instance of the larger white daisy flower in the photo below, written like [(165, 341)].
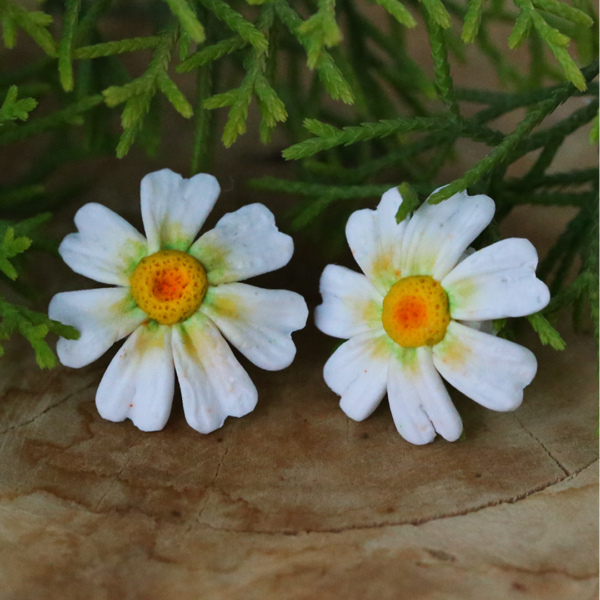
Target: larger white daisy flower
[(176, 297), (418, 311)]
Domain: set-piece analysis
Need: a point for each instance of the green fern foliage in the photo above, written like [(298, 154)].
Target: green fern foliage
[(13, 109), (34, 23), (353, 110)]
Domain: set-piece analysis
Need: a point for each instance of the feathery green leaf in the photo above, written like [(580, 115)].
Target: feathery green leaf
[(188, 19)]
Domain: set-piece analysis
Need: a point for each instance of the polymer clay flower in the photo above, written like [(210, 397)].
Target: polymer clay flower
[(177, 298), (419, 312)]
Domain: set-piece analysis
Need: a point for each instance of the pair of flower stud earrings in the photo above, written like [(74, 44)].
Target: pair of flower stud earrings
[(423, 308)]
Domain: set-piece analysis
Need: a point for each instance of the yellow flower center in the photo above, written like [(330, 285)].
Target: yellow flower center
[(169, 286), (415, 312)]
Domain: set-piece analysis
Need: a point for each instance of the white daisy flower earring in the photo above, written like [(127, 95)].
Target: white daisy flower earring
[(176, 297), (420, 310)]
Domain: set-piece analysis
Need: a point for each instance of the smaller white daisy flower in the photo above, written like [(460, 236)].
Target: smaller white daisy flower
[(420, 311), (176, 297)]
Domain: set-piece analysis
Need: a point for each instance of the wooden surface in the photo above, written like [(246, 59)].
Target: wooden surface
[(295, 500)]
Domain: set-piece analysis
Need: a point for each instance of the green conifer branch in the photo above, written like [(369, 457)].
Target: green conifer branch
[(13, 109), (88, 20), (410, 201), (237, 23), (374, 65), (548, 335), (324, 192), (329, 136), (34, 23), (117, 47), (320, 31), (9, 248), (472, 22), (569, 294), (138, 93), (398, 11), (254, 83), (521, 30), (65, 46), (437, 13), (212, 53), (441, 66), (66, 116), (501, 152), (560, 130), (34, 327), (530, 19), (560, 9), (575, 178), (188, 19), (330, 75)]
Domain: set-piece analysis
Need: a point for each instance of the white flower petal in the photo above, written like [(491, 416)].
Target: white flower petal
[(357, 371), (258, 322), (351, 305), (419, 401), (106, 249), (244, 243), (213, 383), (375, 240), (497, 282), (174, 208), (139, 381), (102, 316), (437, 235), (490, 370)]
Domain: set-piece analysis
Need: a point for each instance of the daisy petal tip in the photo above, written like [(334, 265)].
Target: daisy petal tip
[(203, 425), (142, 420), (417, 436), (490, 370), (205, 184), (152, 183), (357, 411), (87, 213), (452, 430), (102, 316), (244, 243), (105, 248), (496, 282), (174, 209), (149, 423), (391, 197), (213, 383), (258, 322), (357, 371), (65, 354)]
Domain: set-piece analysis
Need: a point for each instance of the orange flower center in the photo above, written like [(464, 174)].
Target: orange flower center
[(169, 286), (415, 312)]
